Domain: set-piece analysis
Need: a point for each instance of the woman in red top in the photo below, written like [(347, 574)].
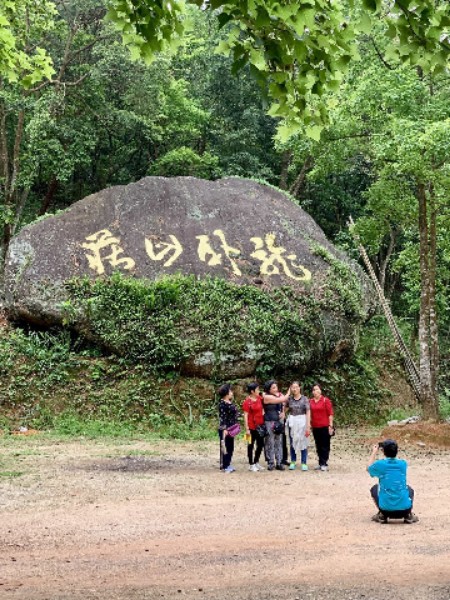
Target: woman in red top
[(322, 425), (254, 416)]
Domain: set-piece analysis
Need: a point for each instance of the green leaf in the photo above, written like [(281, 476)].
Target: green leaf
[(314, 132)]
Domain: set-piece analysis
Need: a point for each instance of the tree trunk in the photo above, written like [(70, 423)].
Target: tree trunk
[(285, 164), (434, 330), (299, 183), (427, 393), (48, 198)]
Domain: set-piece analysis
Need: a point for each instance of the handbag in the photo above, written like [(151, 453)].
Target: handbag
[(261, 430), (234, 430), (278, 427)]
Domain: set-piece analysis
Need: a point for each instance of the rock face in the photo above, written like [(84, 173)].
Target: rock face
[(239, 230)]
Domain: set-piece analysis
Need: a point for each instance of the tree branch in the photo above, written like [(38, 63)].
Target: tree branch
[(380, 56)]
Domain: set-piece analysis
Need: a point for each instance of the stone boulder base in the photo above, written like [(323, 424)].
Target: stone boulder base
[(239, 230)]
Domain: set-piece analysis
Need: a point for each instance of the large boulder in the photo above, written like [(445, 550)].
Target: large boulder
[(249, 235)]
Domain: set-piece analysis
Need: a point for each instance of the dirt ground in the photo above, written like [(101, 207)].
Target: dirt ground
[(140, 520)]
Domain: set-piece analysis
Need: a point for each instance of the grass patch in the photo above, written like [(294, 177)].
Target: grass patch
[(10, 474)]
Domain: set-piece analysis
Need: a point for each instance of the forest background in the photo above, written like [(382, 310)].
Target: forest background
[(101, 116)]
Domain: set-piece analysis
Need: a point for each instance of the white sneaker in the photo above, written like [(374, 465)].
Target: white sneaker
[(259, 467), (253, 468), (229, 470), (324, 468)]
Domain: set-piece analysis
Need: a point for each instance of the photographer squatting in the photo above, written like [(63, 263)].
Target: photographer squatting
[(392, 496)]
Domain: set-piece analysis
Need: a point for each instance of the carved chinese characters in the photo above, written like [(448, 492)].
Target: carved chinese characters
[(213, 250), (98, 245)]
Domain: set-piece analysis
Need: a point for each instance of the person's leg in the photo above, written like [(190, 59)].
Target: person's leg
[(293, 453), (320, 437), (229, 444), (278, 443), (378, 517), (374, 494), (269, 445), (259, 445), (411, 517), (250, 446), (326, 446), (305, 456), (221, 450), (284, 448), (225, 452)]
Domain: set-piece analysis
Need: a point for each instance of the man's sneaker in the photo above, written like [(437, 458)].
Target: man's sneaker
[(304, 467), (229, 470), (411, 518), (380, 518), (232, 468), (253, 468), (281, 467), (324, 468), (271, 467), (376, 517), (292, 466), (259, 467)]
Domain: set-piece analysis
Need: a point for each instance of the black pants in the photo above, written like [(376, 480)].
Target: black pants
[(225, 459), (394, 514), (259, 441), (322, 439), (285, 449)]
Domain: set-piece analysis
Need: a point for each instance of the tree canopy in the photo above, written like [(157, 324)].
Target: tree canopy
[(300, 50)]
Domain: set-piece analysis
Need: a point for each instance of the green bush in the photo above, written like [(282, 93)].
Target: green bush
[(163, 322), (183, 162)]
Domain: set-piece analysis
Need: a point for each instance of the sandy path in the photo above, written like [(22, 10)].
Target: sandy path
[(141, 519)]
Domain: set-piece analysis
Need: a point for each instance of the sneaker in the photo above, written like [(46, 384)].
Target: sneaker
[(411, 518), (259, 467), (292, 466), (229, 470), (253, 468), (376, 517), (380, 518), (324, 468), (280, 467), (304, 467), (271, 467), (232, 468)]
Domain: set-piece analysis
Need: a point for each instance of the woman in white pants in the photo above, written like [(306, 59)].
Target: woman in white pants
[(299, 426)]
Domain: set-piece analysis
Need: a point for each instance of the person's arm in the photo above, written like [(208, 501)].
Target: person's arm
[(222, 419), (247, 429), (308, 422), (329, 407), (373, 456), (269, 399)]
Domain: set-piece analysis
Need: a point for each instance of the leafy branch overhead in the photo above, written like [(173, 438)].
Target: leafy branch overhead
[(23, 24), (300, 50)]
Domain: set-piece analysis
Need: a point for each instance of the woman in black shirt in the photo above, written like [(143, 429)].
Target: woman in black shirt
[(228, 416)]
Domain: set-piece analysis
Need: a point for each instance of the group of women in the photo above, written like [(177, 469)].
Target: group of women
[(273, 420)]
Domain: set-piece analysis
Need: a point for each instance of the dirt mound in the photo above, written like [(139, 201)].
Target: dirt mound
[(435, 435)]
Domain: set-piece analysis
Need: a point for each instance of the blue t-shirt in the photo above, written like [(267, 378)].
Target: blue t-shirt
[(393, 492)]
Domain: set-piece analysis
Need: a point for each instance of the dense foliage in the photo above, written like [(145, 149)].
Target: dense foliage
[(167, 321)]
